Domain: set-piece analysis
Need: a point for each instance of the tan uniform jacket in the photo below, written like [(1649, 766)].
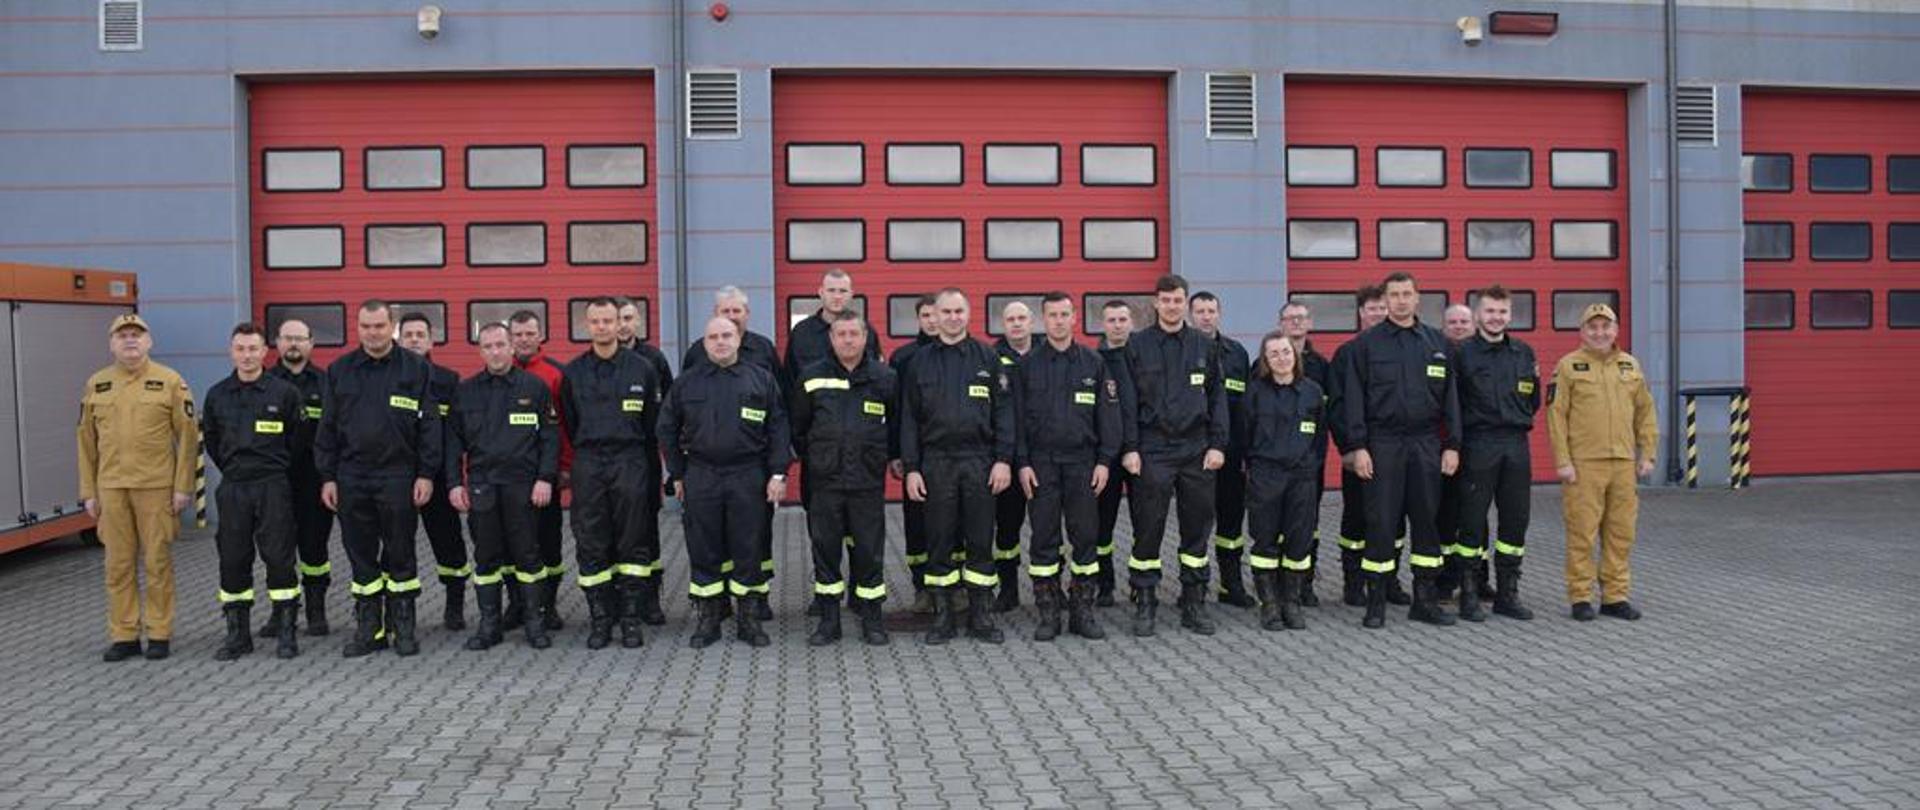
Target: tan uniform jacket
[(1601, 408), (137, 431)]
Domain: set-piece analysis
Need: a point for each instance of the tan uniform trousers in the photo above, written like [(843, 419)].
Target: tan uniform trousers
[(136, 528), (1601, 501)]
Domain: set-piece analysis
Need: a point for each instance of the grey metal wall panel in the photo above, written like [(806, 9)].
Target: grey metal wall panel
[(56, 346), (10, 492)]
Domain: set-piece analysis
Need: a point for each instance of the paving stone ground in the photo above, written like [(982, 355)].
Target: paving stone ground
[(1778, 666)]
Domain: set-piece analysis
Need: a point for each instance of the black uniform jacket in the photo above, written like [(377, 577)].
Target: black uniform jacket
[(502, 430), (379, 420), (957, 401), (1399, 381), (841, 423), (1069, 407), (1182, 402), (726, 417), (1499, 385), (250, 428), (1283, 424), (610, 404)]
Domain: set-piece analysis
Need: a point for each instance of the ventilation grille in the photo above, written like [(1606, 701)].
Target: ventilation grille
[(713, 104), (1230, 109), (120, 25), (1696, 117)]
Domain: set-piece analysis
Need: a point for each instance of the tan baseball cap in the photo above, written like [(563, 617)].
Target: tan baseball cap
[(124, 321), (1599, 311)]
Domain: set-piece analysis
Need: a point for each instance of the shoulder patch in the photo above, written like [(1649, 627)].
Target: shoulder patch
[(102, 387), (1581, 367)]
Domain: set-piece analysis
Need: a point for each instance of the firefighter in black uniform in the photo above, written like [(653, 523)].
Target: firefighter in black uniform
[(957, 443), (1372, 309), (1230, 483), (631, 322), (1182, 424), (1281, 420), (755, 350), (610, 399), (312, 522), (1116, 323), (1069, 426), (1456, 326), (1297, 320), (913, 514), (840, 430), (378, 451), (1010, 507), (724, 431), (503, 458), (1499, 395), (439, 518), (1400, 413), (249, 426), (809, 342)]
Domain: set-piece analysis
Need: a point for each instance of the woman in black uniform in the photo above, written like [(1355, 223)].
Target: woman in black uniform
[(1283, 410)]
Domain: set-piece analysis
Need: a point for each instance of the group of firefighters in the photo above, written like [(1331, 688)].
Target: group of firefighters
[(1431, 425)]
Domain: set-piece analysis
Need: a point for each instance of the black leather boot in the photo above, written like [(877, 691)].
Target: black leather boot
[(271, 627), (1082, 619), (369, 627), (706, 628), (537, 599), (1307, 597), (1426, 607), (873, 624), (287, 643), (1487, 591), (315, 591), (1266, 584), (1193, 610), (1290, 613), (1396, 595), (600, 607), (747, 620), (486, 631), (237, 642), (550, 603), (1046, 599), (650, 611), (633, 600), (1374, 596), (1146, 603), (518, 606), (945, 623), (1008, 598), (828, 630), (1103, 582), (454, 616), (1447, 580), (762, 610), (1506, 599), (1233, 590), (1353, 588), (980, 617), (1470, 609), (400, 618)]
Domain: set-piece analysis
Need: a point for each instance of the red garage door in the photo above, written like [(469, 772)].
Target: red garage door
[(1005, 186), (1463, 186), (463, 199), (1832, 236)]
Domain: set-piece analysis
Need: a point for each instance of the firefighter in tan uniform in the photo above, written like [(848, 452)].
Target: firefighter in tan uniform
[(138, 443), (1602, 420)]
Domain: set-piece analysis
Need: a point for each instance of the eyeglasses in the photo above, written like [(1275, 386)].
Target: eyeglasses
[(1296, 317), (297, 338)]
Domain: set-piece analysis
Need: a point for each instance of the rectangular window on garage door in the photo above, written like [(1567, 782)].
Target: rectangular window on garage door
[(826, 240), (404, 168), (327, 321), (1840, 241), (1769, 309), (481, 313), (1331, 311), (1903, 241), (577, 319), (1903, 174), (903, 317), (826, 164), (1903, 309), (1118, 165), (506, 167), (1322, 166), (607, 165), (1767, 241), (506, 244), (1499, 168), (1521, 304), (1023, 164), (1410, 167), (305, 247), (300, 170), (1840, 309), (1840, 174), (591, 243), (1569, 305), (926, 240), (1766, 172), (406, 245), (436, 312), (802, 307), (1323, 239), (1093, 310)]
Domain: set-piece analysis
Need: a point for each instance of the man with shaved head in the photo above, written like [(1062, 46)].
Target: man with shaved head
[(1010, 507), (755, 349)]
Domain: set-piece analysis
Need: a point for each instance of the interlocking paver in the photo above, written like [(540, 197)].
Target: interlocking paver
[(1775, 668)]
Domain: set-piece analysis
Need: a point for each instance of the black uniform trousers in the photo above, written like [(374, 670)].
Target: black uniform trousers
[(1497, 470), (256, 517), (1009, 513), (1405, 490), (722, 518), (1065, 492), (611, 529), (1161, 480), (959, 513), (1283, 506), (442, 523), (913, 520), (312, 526), (1119, 484), (377, 524), (1453, 492), (1353, 514), (1230, 505), (503, 524), (547, 522), (833, 516)]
